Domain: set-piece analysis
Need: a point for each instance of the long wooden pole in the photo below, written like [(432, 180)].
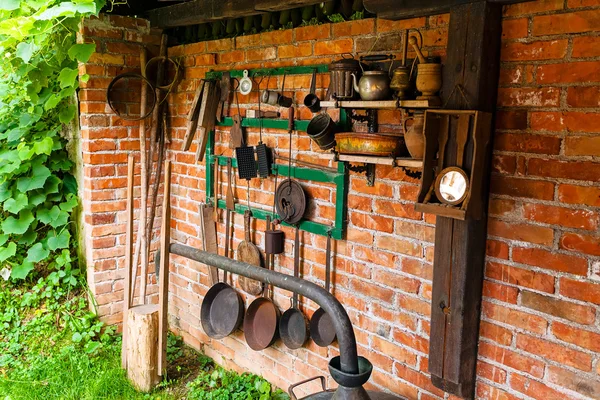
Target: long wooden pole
[(128, 256), (141, 251), (163, 279)]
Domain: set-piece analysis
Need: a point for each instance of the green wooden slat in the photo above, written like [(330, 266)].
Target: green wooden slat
[(257, 73), (267, 123)]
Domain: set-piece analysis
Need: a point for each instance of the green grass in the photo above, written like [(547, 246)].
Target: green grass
[(53, 348)]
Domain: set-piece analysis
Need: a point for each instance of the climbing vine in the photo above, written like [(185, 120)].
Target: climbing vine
[(38, 80)]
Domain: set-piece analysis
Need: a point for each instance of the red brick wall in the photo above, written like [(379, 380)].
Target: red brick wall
[(540, 335)]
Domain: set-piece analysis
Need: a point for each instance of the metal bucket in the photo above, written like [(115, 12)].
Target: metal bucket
[(321, 129)]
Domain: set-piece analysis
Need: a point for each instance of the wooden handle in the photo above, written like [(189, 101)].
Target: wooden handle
[(247, 215), (291, 119), (216, 191), (413, 41)]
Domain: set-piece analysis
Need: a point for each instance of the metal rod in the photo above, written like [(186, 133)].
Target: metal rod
[(339, 317)]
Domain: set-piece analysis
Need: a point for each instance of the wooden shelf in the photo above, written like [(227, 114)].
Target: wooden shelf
[(381, 105), (391, 161)]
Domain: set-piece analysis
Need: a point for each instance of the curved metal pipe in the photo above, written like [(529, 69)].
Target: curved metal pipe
[(341, 321)]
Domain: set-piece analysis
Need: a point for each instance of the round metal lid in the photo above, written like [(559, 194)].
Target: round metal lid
[(290, 201)]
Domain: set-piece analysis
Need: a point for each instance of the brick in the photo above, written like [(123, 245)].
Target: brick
[(574, 22), (245, 41), (276, 37), (522, 277), (547, 121), (516, 119), (513, 317), (511, 359), (521, 232), (313, 32), (581, 122), (373, 222), (582, 145), (412, 340), (586, 46), (230, 57), (517, 187), (417, 268), (501, 207), (534, 389), (588, 244), (395, 209), (491, 372), (555, 352), (579, 219), (584, 96), (383, 42), (219, 45), (584, 291), (586, 385), (399, 246), (533, 7), (379, 189), (354, 28), (528, 97), (205, 59), (261, 54), (550, 260), (534, 51), (573, 72), (334, 47), (385, 25), (370, 290), (376, 257), (578, 170), (525, 143), (496, 249), (511, 75), (579, 337), (507, 294), (397, 281), (504, 164), (485, 391), (515, 28), (558, 308), (574, 194), (417, 378), (496, 333)]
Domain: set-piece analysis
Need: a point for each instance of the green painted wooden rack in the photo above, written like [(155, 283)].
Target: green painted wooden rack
[(339, 178)]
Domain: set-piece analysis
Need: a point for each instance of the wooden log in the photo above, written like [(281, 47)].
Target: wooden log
[(163, 275), (127, 295), (473, 64), (401, 9), (142, 347), (200, 11)]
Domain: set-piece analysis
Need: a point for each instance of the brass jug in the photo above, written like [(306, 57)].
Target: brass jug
[(401, 82)]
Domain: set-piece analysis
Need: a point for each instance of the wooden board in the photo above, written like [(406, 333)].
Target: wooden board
[(194, 115), (127, 295), (401, 9), (472, 62), (163, 278), (200, 11)]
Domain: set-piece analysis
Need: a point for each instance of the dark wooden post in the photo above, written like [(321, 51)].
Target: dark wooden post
[(472, 66)]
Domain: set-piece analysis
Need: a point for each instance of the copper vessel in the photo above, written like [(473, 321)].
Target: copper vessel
[(370, 144), (401, 82)]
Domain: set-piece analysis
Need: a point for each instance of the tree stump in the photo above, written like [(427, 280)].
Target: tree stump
[(142, 347)]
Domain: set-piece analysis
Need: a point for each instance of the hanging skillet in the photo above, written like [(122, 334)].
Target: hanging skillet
[(290, 198), (293, 327), (222, 310), (262, 317)]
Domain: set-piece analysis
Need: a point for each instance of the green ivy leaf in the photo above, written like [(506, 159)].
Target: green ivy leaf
[(28, 238), (5, 191), (52, 102), (9, 5), (14, 226), (58, 242), (68, 77), (25, 51), (51, 185), (82, 52), (9, 251), (40, 175), (70, 203), (67, 114), (3, 239), (70, 183), (16, 204), (37, 197), (21, 271), (46, 216), (44, 146), (77, 337), (37, 253), (64, 258)]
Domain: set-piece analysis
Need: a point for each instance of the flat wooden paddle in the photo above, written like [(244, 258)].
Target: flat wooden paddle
[(248, 252)]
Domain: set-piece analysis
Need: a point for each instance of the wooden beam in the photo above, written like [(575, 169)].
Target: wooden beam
[(400, 9), (200, 11), (473, 65), (279, 5)]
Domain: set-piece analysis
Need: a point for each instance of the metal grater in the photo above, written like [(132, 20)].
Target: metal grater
[(246, 162), (264, 160)]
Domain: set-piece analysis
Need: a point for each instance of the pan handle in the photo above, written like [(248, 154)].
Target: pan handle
[(295, 385)]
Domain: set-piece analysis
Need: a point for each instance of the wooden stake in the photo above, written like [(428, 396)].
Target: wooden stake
[(128, 256), (163, 289)]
